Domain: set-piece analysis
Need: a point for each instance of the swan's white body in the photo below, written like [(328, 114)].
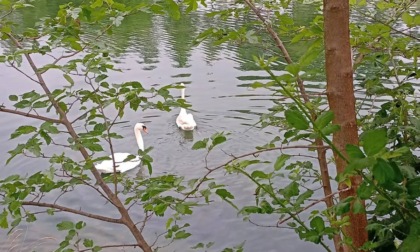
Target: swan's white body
[(185, 121), (107, 166)]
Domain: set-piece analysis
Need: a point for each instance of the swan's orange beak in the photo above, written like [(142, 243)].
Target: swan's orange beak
[(145, 131)]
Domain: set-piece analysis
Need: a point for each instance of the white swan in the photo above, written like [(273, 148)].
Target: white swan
[(121, 166), (184, 120)]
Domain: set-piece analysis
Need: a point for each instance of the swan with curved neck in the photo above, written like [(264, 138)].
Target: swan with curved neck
[(107, 166), (185, 121)]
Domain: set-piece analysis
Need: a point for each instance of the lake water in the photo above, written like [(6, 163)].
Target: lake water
[(157, 51)]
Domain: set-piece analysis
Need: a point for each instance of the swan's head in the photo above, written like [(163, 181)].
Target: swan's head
[(182, 84), (141, 127)]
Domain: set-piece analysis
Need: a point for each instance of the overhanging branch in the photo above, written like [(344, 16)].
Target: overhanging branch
[(38, 117), (71, 210)]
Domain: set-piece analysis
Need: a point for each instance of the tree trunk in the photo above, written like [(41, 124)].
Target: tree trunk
[(342, 102)]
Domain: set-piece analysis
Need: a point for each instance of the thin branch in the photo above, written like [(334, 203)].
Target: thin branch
[(266, 226), (89, 185), (147, 217), (311, 205), (7, 13), (112, 246), (254, 153), (83, 48), (22, 72), (279, 44), (71, 210), (43, 118)]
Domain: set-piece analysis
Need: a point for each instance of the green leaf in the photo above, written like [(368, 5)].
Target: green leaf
[(97, 3), (76, 46), (199, 245), (413, 187), (304, 196), (296, 119), (11, 178), (398, 176), (200, 144), (412, 242), (408, 19), (342, 208), (68, 78), (358, 206), (13, 97), (100, 78), (374, 141), (93, 146), (173, 9), (291, 190), (99, 127), (192, 182), (30, 217), (63, 106), (31, 95), (331, 128), (183, 209), (318, 224), (281, 161), (324, 119), (250, 210), (365, 190), (80, 224), (266, 207), (310, 55), (218, 140), (192, 5), (224, 194), (360, 164), (65, 225), (293, 69), (3, 220), (88, 243), (354, 152), (46, 137), (49, 127), (259, 174), (383, 171), (168, 223), (22, 130), (22, 104), (96, 249), (40, 104), (181, 235)]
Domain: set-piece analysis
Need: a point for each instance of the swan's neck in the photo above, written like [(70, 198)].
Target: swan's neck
[(139, 139), (183, 93)]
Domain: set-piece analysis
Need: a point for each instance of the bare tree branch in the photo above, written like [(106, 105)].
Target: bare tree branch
[(279, 44), (112, 246), (254, 153), (71, 210), (43, 118), (310, 205)]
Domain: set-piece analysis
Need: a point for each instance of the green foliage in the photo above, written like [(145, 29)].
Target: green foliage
[(387, 158), (296, 119), (374, 141)]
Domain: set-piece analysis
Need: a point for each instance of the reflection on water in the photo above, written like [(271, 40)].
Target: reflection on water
[(156, 51)]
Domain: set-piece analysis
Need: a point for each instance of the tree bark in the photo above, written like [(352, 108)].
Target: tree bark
[(321, 152), (341, 100)]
